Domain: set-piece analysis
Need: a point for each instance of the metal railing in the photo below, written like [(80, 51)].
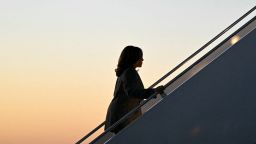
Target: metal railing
[(171, 72)]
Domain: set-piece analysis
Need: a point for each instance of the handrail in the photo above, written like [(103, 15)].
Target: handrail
[(211, 51), (165, 76), (90, 133)]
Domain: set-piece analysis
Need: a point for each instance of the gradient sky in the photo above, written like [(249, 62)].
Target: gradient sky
[(57, 57)]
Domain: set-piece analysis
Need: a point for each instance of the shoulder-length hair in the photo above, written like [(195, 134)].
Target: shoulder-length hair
[(129, 56)]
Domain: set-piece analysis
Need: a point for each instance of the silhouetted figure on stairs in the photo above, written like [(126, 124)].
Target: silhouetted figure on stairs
[(129, 89)]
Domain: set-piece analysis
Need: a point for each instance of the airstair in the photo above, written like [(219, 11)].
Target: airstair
[(212, 100)]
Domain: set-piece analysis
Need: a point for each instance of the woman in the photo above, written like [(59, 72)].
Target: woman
[(129, 89)]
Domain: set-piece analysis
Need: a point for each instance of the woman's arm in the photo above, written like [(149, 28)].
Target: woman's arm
[(134, 86)]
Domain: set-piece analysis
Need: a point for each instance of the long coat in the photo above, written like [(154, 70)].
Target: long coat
[(129, 92)]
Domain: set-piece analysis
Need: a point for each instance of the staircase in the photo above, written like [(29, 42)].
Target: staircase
[(212, 101)]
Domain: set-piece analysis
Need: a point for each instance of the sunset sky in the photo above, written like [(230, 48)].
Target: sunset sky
[(57, 57)]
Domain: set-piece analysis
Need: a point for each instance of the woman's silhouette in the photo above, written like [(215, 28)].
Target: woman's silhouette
[(129, 89)]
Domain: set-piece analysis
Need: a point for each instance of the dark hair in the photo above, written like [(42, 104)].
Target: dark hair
[(129, 56)]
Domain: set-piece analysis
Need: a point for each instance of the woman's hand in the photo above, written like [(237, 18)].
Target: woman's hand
[(160, 89)]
